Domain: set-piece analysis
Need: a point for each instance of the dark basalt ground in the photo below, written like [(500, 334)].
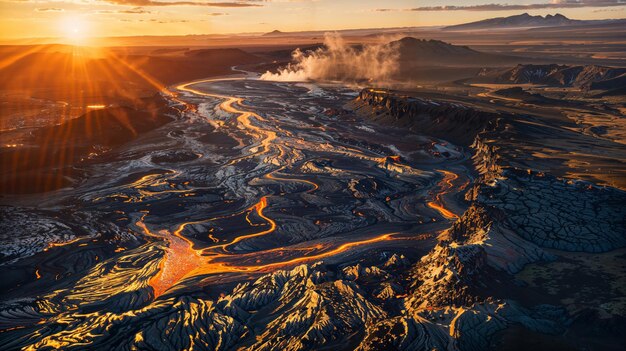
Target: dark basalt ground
[(53, 157), (524, 231), (316, 217)]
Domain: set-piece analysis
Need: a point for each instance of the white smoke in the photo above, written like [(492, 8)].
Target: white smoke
[(338, 61)]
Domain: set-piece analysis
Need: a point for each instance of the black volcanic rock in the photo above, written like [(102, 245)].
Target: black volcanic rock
[(586, 77), (410, 47), (552, 213), (521, 94), (516, 21), (461, 293), (455, 122), (610, 84), (422, 52), (46, 162)]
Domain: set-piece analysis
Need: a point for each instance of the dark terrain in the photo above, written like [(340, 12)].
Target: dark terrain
[(473, 201)]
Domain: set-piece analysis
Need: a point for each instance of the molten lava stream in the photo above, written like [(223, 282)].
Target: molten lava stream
[(336, 251), (446, 186), (182, 261), (259, 207), (220, 267), (273, 177), (266, 136), (181, 258)]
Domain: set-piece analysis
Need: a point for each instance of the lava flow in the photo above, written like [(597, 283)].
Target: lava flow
[(446, 186), (243, 116), (182, 261)]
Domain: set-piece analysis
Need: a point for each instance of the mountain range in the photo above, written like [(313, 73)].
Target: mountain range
[(516, 21)]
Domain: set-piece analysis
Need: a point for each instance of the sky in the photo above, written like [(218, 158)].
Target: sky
[(104, 18)]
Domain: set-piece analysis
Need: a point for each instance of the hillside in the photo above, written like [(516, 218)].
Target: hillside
[(50, 155), (110, 74), (420, 52), (584, 77)]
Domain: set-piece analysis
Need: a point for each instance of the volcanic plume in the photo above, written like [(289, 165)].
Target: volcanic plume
[(337, 60)]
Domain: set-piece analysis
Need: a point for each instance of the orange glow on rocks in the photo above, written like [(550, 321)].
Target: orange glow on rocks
[(446, 185)]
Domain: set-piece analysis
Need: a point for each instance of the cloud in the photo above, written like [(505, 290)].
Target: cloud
[(169, 21), (218, 14), (135, 10), (233, 4), (154, 20), (556, 4), (49, 9)]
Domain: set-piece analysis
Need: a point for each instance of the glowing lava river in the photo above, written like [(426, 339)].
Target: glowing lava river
[(252, 177)]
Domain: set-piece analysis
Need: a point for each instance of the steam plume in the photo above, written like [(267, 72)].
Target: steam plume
[(340, 61)]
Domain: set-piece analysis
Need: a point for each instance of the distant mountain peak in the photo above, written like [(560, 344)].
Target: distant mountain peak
[(428, 44), (516, 21), (274, 32), (557, 15)]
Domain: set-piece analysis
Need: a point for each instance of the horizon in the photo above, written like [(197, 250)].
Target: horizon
[(77, 23), (60, 40)]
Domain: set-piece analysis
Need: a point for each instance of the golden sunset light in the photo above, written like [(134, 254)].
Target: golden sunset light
[(303, 175), (75, 28), (39, 19)]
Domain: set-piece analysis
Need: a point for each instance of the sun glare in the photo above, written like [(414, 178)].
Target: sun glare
[(75, 29)]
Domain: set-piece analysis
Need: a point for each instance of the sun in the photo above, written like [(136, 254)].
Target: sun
[(75, 29)]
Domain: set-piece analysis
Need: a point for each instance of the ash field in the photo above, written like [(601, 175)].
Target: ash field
[(325, 204)]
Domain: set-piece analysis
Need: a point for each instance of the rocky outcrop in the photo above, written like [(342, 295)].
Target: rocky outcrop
[(298, 309), (446, 277), (585, 77), (516, 216), (556, 213), (455, 122), (464, 328), (176, 324), (504, 249)]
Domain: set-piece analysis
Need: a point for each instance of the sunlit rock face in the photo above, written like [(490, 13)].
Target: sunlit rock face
[(298, 309), (446, 277), (304, 308)]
